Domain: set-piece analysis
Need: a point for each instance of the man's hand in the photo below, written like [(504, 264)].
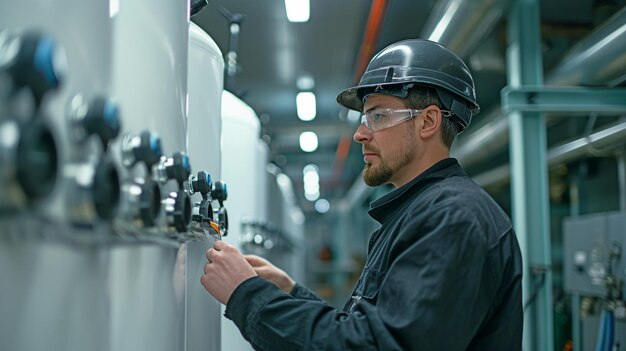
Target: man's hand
[(226, 269), (270, 272)]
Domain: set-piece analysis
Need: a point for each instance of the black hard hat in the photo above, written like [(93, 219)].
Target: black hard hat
[(410, 62)]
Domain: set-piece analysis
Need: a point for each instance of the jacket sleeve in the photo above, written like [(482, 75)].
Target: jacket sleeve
[(431, 298), (301, 292)]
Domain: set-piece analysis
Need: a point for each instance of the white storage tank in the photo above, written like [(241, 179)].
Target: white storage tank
[(242, 159), (205, 86), (241, 162), (147, 280), (54, 295), (286, 215)]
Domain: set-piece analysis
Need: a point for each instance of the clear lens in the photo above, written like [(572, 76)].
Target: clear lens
[(379, 119)]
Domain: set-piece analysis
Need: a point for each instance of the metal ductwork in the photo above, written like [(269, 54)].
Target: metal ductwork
[(603, 139), (597, 60), (461, 25)]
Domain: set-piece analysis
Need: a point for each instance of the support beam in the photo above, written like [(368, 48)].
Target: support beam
[(563, 99), (530, 175)]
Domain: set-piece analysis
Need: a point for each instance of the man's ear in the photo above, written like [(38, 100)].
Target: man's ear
[(431, 122)]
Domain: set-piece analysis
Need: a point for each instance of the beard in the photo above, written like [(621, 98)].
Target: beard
[(381, 174)]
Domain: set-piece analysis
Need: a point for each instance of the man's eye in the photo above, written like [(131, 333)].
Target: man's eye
[(377, 116)]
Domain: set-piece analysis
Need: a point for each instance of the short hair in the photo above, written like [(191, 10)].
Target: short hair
[(421, 97)]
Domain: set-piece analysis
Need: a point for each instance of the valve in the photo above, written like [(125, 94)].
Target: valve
[(95, 183), (202, 184), (222, 220), (99, 117), (143, 202), (178, 168), (94, 190), (178, 211), (29, 163), (145, 147), (219, 192), (33, 61), (178, 207), (142, 194), (28, 150)]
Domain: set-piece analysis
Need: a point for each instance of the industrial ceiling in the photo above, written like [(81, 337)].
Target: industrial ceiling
[(340, 37)]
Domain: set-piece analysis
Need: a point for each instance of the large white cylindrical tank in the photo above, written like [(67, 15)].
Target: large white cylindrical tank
[(54, 296), (240, 161), (261, 179), (150, 68), (205, 86), (206, 83), (241, 158), (147, 281), (283, 211)]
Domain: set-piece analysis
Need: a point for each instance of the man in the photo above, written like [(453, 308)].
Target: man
[(444, 270)]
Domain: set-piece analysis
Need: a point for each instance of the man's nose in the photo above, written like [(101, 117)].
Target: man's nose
[(362, 134)]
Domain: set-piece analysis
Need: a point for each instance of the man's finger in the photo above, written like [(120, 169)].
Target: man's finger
[(219, 245), (254, 260), (209, 254)]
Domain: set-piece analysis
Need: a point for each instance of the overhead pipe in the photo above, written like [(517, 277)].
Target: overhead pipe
[(595, 60), (231, 66), (569, 151), (368, 44), (598, 60), (460, 25)]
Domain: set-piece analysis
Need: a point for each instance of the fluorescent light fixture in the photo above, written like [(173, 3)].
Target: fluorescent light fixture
[(308, 141), (353, 116), (312, 197), (311, 167), (312, 188), (114, 8), (305, 105), (445, 20), (311, 177), (305, 82), (297, 10), (322, 206)]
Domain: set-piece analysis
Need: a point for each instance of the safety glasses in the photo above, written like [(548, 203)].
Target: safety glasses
[(383, 118)]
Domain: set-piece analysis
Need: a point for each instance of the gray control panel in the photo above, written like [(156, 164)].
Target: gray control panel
[(594, 259)]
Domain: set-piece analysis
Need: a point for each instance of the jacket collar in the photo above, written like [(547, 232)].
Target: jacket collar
[(380, 208)]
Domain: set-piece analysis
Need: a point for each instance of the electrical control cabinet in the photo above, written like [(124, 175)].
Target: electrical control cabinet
[(594, 249)]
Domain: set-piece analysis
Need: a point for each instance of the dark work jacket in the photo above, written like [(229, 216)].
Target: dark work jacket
[(443, 273)]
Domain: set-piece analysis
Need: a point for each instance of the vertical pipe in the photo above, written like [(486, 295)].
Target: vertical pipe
[(621, 179), (530, 175), (574, 188)]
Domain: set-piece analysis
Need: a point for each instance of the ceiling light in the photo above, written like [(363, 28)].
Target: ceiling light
[(114, 8), (297, 10), (311, 167), (308, 141), (305, 82), (311, 196), (311, 177), (305, 105), (322, 206), (440, 28)]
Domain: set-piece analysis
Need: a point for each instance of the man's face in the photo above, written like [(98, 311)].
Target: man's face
[(388, 153)]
